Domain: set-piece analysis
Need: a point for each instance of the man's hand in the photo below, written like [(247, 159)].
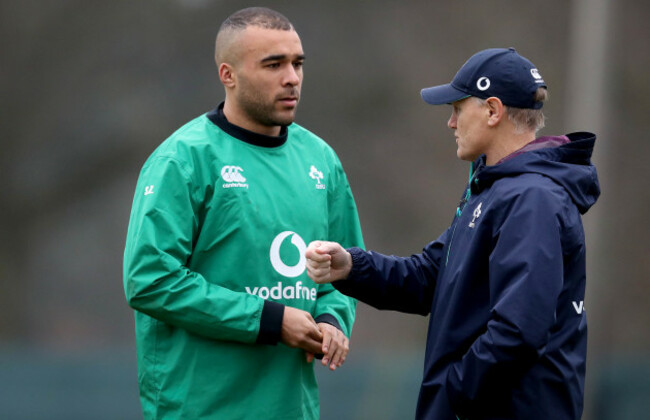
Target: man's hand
[(335, 346), (299, 330), (327, 262)]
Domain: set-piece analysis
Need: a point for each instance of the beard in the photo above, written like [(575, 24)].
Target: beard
[(262, 110)]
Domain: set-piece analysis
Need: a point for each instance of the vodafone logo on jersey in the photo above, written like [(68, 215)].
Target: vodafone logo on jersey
[(282, 290), (276, 260)]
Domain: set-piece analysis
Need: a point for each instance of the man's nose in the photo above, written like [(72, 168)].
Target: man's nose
[(292, 77), (451, 123)]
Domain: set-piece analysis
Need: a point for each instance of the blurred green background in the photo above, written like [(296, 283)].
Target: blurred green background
[(90, 88)]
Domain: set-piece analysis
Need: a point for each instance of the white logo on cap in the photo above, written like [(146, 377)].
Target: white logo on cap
[(483, 83), (536, 74)]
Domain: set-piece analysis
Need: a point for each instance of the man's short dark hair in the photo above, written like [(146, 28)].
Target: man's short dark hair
[(257, 16)]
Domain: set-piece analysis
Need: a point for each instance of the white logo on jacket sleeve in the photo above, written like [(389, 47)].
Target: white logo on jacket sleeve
[(148, 190), (476, 214), (317, 175), (276, 260)]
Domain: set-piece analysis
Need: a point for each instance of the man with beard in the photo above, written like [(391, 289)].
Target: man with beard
[(227, 321)]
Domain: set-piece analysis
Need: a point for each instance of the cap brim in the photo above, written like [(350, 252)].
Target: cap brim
[(443, 94)]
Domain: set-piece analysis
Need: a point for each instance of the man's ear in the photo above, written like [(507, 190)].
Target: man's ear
[(227, 75), (496, 110)]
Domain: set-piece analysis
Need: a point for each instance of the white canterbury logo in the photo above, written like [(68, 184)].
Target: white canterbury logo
[(232, 174), (535, 74)]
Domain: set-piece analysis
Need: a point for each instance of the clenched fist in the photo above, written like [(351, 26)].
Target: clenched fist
[(327, 262)]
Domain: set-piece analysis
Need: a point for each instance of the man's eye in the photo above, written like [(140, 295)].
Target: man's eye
[(298, 64), (273, 65)]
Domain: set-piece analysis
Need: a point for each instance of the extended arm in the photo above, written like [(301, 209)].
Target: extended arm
[(385, 282)]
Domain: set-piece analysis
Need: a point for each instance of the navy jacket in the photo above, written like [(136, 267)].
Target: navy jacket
[(504, 287)]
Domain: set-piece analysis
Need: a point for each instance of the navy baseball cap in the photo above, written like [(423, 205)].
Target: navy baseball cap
[(499, 72)]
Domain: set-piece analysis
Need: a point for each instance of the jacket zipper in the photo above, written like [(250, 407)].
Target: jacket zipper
[(461, 207)]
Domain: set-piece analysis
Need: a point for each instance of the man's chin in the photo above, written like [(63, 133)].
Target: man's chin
[(285, 118)]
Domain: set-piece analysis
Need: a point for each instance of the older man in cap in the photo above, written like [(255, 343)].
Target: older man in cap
[(504, 285)]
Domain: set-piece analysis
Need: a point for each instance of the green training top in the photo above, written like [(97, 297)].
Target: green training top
[(220, 221)]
